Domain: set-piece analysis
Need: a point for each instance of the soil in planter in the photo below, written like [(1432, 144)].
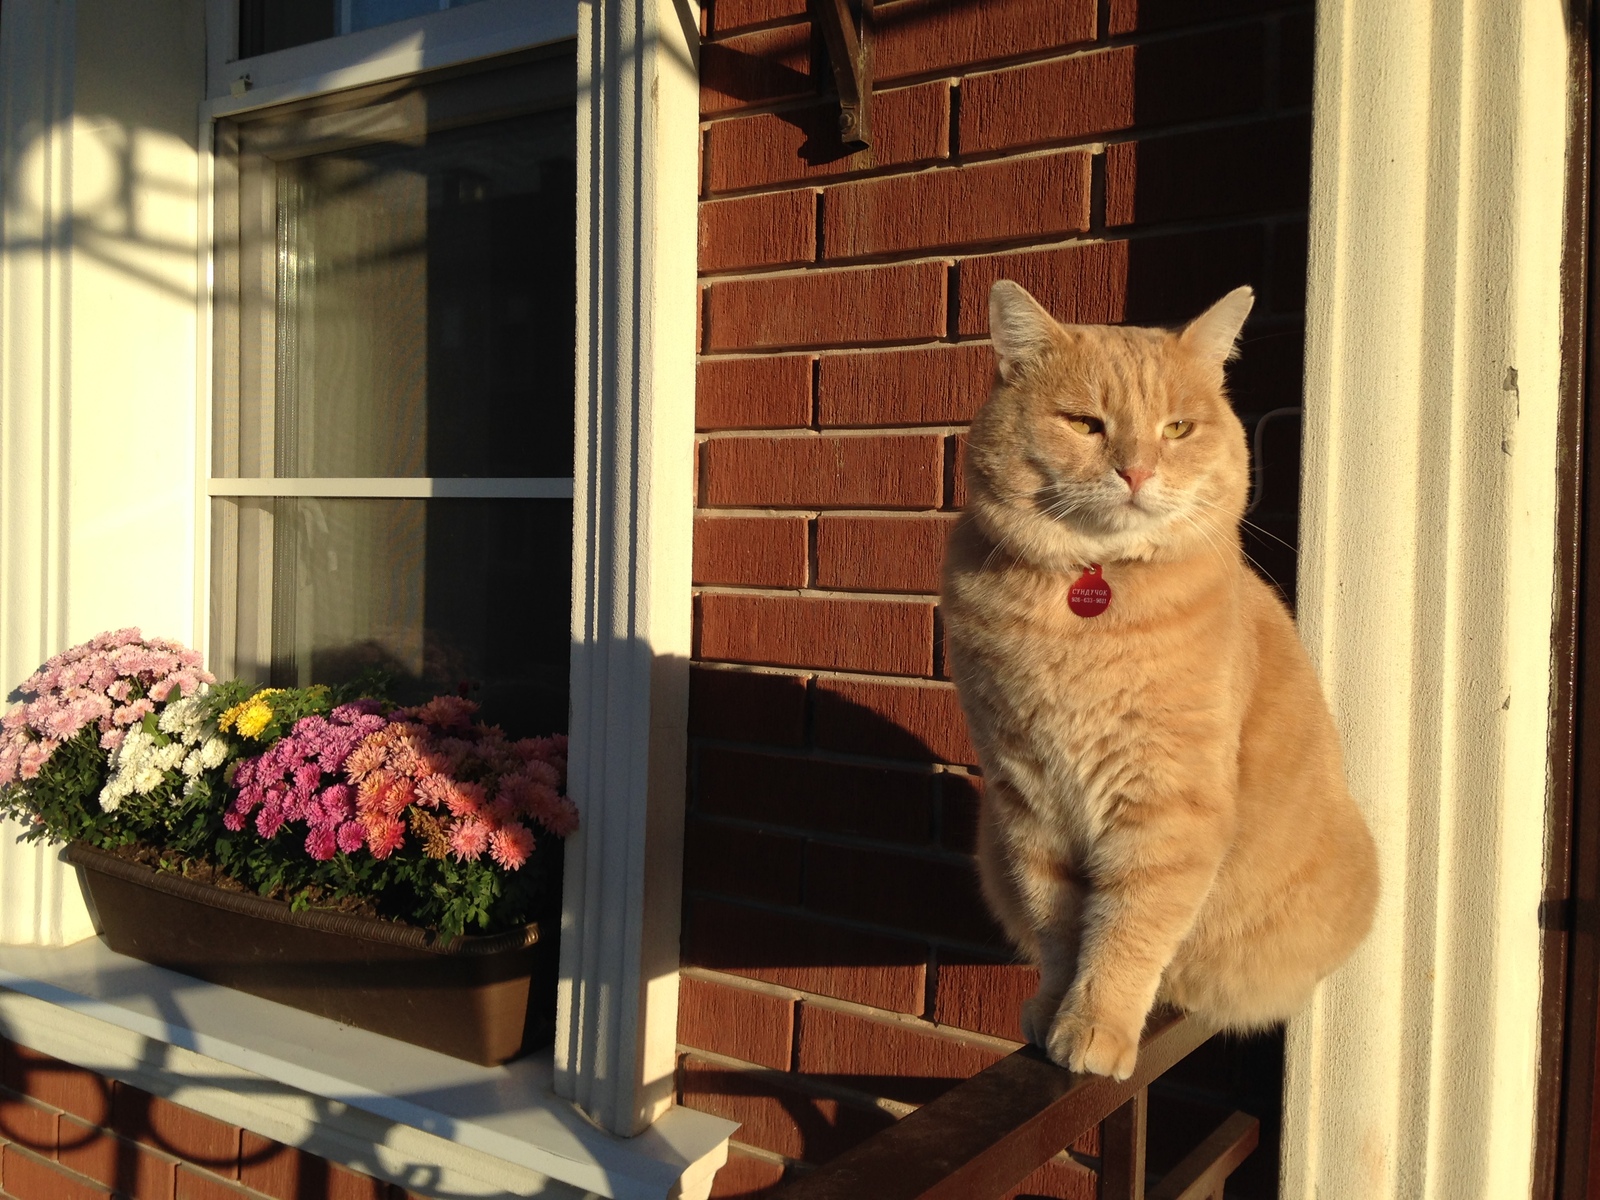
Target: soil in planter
[(540, 879)]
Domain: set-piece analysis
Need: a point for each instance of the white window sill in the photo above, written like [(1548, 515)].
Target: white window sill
[(418, 1117)]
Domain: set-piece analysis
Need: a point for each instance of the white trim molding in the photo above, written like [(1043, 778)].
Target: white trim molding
[(1427, 580), (638, 105)]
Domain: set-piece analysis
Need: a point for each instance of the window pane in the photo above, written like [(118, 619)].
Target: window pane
[(425, 305), (436, 592), (267, 25)]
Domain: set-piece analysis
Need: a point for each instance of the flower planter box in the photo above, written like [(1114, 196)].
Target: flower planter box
[(483, 999)]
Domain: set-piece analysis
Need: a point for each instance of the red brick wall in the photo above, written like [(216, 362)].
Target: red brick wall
[(70, 1134), (1126, 160)]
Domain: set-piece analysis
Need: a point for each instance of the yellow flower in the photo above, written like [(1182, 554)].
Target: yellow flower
[(249, 717), (256, 717)]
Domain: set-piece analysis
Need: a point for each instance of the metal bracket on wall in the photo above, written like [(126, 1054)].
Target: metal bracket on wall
[(852, 67)]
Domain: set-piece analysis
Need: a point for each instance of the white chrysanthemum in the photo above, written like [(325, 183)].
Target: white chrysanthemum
[(181, 717), (213, 751)]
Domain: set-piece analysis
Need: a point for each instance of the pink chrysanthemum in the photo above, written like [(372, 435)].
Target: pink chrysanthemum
[(364, 759), (435, 790), (446, 712), (469, 840), (385, 834), (352, 836), (466, 799), (321, 843), (510, 845)]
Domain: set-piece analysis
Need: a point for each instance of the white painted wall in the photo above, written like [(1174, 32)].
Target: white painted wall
[(1427, 577), (98, 323)]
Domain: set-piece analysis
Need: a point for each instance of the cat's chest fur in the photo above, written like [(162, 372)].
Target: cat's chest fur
[(1076, 713)]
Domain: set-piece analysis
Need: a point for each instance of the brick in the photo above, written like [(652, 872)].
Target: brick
[(915, 37), (740, 863), (931, 897), (814, 794), (1045, 195), (770, 392), (745, 1177), (1148, 281), (29, 1125), (727, 15), (881, 554), (1270, 372), (753, 551), (282, 1172), (931, 385), (736, 1022), (889, 637), (983, 995), (831, 471), (861, 307), (119, 1164), (25, 1177), (1261, 167), (345, 1184), (959, 797), (1296, 50), (58, 1084), (1289, 268), (774, 1117), (892, 1059), (892, 720), (194, 1184), (1050, 101), (1144, 16), (910, 127), (808, 955), (958, 472), (175, 1130), (1275, 443), (747, 706), (1060, 1179), (1085, 284), (1201, 77), (756, 68), (771, 230)]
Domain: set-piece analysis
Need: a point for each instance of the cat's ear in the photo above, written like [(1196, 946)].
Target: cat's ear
[(1214, 334), (1019, 327)]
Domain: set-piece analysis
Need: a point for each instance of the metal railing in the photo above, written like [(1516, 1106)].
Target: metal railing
[(986, 1135)]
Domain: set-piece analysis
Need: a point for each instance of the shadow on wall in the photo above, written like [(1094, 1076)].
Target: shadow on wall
[(839, 863), (94, 1108)]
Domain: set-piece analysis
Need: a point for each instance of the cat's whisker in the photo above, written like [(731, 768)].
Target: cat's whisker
[(1290, 546)]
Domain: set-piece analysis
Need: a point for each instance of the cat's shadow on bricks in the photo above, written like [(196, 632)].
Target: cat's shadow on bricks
[(841, 966)]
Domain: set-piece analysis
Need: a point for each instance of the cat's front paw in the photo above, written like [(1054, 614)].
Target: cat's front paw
[(1092, 1047)]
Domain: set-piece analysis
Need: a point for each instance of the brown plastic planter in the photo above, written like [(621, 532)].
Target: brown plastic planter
[(484, 999)]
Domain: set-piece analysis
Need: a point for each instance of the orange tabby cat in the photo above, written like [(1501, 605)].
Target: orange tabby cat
[(1165, 812)]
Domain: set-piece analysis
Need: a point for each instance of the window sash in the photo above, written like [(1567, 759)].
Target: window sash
[(399, 487)]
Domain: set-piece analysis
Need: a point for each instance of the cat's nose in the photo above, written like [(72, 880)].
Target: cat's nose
[(1135, 477)]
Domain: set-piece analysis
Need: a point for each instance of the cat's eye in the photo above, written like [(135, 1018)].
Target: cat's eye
[(1083, 423), (1177, 429)]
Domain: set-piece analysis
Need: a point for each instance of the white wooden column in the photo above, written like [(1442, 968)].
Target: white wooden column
[(99, 290), (1427, 580), (638, 103)]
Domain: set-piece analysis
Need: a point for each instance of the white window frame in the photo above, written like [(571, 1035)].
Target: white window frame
[(632, 487)]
